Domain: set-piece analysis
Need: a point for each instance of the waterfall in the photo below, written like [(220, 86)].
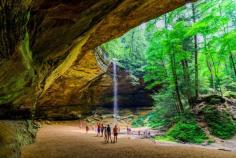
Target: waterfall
[(115, 92)]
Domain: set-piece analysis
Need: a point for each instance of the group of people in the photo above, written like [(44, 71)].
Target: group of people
[(106, 131)]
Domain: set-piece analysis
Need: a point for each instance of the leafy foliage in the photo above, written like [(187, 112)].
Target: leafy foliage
[(163, 114), (129, 50), (185, 130), (219, 122), (188, 52)]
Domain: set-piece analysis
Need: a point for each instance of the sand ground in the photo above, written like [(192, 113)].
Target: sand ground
[(68, 141)]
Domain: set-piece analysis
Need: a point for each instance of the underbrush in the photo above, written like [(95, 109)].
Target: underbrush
[(152, 119), (162, 115), (185, 130), (184, 127), (220, 123)]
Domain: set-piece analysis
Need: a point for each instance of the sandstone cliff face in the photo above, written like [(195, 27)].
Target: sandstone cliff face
[(15, 134), (45, 46), (84, 87), (17, 74)]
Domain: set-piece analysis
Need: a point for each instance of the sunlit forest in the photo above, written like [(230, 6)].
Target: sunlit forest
[(189, 57)]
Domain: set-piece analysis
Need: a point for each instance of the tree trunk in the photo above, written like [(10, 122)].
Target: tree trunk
[(209, 66), (230, 53), (174, 75), (233, 63), (173, 67), (195, 54), (164, 67), (187, 81), (215, 71)]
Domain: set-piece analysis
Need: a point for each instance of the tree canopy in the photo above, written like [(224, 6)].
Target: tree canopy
[(189, 54), (190, 51)]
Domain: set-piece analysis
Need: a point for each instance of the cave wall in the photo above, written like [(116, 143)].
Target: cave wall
[(17, 72), (67, 97), (84, 87), (15, 134), (44, 45)]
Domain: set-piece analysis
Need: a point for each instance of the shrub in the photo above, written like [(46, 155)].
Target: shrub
[(163, 112), (185, 130), (220, 123), (153, 119), (138, 122)]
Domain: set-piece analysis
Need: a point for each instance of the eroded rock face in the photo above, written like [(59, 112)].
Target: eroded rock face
[(84, 87), (17, 74), (13, 135), (70, 90), (43, 54)]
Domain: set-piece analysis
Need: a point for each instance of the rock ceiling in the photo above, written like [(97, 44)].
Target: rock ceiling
[(46, 48)]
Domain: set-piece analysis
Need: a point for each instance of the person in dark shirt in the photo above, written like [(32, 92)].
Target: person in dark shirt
[(87, 128), (108, 133), (102, 130)]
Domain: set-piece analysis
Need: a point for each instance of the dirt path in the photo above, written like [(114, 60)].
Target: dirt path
[(66, 141)]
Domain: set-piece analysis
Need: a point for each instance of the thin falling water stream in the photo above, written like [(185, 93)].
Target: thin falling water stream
[(115, 92)]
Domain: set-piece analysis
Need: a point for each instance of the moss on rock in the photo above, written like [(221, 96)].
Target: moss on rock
[(185, 130), (220, 122)]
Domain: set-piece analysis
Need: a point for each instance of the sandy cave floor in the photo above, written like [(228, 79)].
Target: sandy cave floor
[(68, 141)]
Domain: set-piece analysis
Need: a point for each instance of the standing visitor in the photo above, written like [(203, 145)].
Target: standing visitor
[(128, 130), (98, 129), (115, 133), (108, 133), (139, 133), (149, 134), (87, 128), (105, 133), (102, 130)]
